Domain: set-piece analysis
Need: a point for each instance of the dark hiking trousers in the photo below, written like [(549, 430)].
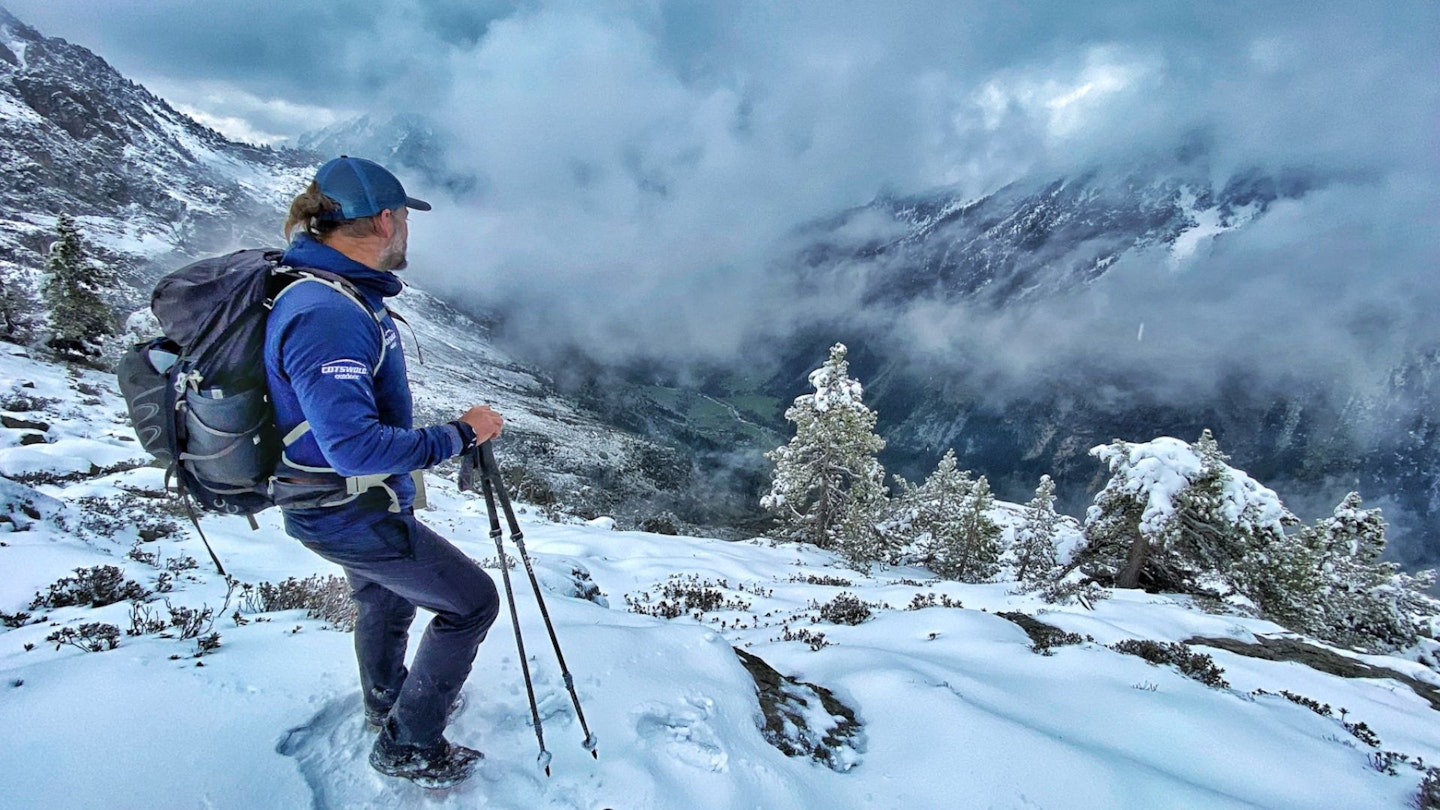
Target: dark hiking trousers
[(395, 566)]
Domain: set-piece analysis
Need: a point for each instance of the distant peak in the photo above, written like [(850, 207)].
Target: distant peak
[(16, 27)]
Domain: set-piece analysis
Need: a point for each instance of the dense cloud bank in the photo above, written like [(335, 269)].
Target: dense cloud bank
[(638, 164)]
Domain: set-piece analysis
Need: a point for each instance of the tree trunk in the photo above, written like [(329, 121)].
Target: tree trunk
[(1129, 576)]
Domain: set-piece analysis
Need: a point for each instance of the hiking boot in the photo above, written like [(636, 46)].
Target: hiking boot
[(375, 718), (441, 765)]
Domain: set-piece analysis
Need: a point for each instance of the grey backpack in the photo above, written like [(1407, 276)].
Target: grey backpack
[(197, 395)]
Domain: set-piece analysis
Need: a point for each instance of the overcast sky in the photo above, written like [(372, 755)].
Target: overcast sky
[(638, 161)]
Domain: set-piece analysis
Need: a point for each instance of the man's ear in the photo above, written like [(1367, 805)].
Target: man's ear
[(385, 223)]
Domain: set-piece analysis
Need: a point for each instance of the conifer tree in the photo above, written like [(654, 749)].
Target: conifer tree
[(1361, 601), (19, 309), (79, 316), (970, 552), (1172, 513), (828, 488), (932, 515), (1034, 549), (1353, 532)]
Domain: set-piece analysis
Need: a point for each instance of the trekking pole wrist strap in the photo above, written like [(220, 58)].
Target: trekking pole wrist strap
[(467, 435)]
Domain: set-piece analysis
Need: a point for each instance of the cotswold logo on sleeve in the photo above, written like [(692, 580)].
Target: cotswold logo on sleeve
[(344, 369)]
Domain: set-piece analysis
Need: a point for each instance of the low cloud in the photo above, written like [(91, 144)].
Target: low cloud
[(642, 167), (638, 187)]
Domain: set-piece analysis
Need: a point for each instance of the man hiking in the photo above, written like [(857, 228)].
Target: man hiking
[(336, 373)]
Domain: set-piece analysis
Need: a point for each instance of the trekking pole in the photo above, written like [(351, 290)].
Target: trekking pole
[(490, 477), (467, 467)]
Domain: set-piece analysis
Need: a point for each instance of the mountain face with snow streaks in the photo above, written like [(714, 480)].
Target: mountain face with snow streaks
[(152, 190), (78, 138), (1031, 252)]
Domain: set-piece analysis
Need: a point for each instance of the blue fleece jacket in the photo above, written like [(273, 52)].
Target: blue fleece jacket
[(321, 358)]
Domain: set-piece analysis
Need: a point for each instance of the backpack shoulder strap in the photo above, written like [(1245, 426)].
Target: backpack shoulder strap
[(335, 282)]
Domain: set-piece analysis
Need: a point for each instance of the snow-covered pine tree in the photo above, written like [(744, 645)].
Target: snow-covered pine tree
[(1034, 547), (79, 316), (971, 551), (1173, 516), (1363, 602), (828, 488), (1352, 532), (932, 515)]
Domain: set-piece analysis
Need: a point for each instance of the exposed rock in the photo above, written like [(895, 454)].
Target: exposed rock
[(15, 423), (804, 720), (1043, 637), (1289, 649)]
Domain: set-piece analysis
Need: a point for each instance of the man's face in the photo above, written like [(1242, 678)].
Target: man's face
[(392, 257)]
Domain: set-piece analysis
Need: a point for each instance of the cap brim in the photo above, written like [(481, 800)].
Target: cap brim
[(418, 205)]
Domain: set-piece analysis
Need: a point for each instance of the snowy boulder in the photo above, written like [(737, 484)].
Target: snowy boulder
[(804, 720), (21, 506)]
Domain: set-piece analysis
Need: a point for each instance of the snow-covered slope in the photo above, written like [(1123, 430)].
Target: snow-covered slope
[(566, 450), (954, 708)]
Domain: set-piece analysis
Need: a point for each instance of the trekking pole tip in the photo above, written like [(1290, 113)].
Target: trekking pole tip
[(590, 742), (544, 761)]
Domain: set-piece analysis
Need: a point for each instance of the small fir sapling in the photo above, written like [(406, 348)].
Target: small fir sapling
[(1034, 547)]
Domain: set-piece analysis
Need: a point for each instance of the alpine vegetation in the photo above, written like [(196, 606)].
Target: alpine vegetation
[(1361, 601), (947, 519), (1034, 550), (79, 317), (1173, 517), (1176, 517), (829, 488)]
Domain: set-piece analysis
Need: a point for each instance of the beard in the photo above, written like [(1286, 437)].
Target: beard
[(393, 256)]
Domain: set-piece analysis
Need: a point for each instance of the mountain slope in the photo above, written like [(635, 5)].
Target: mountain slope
[(143, 180), (951, 705), (1004, 327), (152, 189)]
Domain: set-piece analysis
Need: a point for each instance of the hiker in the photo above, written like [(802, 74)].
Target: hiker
[(336, 373)]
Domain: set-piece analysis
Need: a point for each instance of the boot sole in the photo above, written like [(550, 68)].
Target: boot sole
[(427, 781)]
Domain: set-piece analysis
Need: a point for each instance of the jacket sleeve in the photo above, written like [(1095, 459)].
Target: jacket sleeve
[(329, 351)]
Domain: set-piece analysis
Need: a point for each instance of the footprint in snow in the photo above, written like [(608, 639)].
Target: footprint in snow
[(332, 750), (683, 732)]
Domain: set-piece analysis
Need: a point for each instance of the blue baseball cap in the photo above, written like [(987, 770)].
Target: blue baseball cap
[(363, 188)]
